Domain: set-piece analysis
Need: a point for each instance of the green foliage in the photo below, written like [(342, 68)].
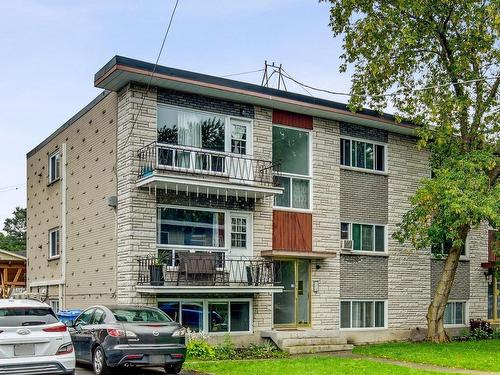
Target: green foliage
[(15, 227), (200, 349), (266, 350), (226, 350)]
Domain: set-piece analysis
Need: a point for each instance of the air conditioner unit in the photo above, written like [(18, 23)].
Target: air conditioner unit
[(346, 245)]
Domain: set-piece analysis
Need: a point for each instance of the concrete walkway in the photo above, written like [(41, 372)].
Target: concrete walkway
[(420, 366)]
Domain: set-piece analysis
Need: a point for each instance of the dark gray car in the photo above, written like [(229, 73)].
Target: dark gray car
[(113, 337)]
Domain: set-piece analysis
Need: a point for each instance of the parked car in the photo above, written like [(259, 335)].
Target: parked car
[(32, 340), (113, 337)]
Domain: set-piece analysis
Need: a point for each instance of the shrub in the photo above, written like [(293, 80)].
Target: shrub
[(226, 350), (496, 334), (261, 351), (482, 325), (200, 349)]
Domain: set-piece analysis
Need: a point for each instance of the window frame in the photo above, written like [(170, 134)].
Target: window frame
[(228, 215), (361, 169), (228, 121), (293, 176), (57, 177), (350, 300), (442, 254), (206, 302), (365, 252), (58, 243), (465, 313), (54, 302)]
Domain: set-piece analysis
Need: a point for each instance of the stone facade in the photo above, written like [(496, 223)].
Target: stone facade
[(461, 285), (363, 277)]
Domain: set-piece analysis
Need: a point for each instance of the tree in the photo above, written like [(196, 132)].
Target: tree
[(15, 227), (437, 62)]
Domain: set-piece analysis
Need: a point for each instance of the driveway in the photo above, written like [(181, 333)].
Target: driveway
[(82, 370)]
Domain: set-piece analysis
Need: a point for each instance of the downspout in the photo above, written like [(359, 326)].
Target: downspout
[(62, 293)]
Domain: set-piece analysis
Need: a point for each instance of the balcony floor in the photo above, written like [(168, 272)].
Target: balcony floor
[(220, 186), (218, 289)]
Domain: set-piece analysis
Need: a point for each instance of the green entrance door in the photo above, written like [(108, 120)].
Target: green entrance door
[(292, 307)]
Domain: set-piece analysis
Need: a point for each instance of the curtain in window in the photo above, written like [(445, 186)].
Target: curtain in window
[(189, 129), (300, 193)]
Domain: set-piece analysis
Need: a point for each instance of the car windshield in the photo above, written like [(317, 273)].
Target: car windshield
[(140, 315), (26, 316)]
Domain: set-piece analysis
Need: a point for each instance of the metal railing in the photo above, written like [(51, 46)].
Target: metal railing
[(166, 157), (210, 269)]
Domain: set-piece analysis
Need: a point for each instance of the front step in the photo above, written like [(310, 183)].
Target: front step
[(310, 349), (308, 341)]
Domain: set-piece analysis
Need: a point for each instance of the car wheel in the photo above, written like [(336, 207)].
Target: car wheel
[(173, 369), (99, 362)]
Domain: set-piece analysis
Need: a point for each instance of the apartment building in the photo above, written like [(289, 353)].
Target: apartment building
[(239, 209)]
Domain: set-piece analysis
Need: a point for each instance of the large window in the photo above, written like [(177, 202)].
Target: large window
[(444, 248), (202, 130), (365, 237), (454, 313), (359, 154), (362, 314), (54, 167), (214, 316), (291, 149), (54, 243), (187, 227)]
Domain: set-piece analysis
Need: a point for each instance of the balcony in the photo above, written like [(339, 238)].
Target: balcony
[(194, 170), (207, 273)]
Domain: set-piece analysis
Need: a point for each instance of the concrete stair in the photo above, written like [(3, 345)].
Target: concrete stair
[(308, 341)]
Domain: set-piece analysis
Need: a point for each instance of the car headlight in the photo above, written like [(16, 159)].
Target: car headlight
[(181, 332)]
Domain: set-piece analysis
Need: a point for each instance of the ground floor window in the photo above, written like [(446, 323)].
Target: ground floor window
[(362, 314), (207, 315), (54, 303), (454, 314)]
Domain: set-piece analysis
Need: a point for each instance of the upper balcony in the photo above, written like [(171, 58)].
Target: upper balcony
[(196, 170)]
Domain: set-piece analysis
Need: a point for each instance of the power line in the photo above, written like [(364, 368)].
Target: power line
[(154, 70), (242, 73), (11, 188)]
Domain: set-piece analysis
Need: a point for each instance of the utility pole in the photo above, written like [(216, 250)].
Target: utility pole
[(269, 71)]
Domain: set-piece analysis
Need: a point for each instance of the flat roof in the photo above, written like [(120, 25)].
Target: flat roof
[(121, 70)]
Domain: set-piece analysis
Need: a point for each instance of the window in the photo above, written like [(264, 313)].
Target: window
[(365, 237), (444, 249), (54, 304), (238, 137), (454, 313), (362, 314), (188, 227), (54, 243), (291, 148), (85, 317), (26, 316), (220, 315), (54, 167), (360, 154), (238, 232), (98, 317)]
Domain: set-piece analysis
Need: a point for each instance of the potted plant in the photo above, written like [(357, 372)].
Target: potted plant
[(156, 272)]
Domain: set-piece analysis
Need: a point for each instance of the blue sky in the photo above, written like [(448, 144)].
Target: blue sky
[(50, 51)]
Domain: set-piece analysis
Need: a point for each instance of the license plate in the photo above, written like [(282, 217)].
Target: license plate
[(24, 350), (157, 359)]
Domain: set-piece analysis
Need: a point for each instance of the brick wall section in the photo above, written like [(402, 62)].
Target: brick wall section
[(407, 267), (136, 208), (363, 276), (478, 253), (363, 197), (326, 222), (205, 103), (461, 285), (263, 214), (358, 131)]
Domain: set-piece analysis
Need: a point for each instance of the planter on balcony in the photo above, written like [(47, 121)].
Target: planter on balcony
[(156, 275)]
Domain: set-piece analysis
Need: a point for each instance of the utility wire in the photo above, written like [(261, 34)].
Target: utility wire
[(154, 70), (11, 188), (242, 73)]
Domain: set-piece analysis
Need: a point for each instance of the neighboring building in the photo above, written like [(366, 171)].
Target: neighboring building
[(239, 208), (12, 272)]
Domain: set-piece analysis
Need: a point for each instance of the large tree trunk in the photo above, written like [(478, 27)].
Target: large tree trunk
[(435, 313)]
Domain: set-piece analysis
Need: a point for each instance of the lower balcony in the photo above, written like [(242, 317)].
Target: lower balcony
[(200, 171), (207, 273)]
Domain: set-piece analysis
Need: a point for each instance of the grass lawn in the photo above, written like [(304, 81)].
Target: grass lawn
[(299, 366), (473, 355)]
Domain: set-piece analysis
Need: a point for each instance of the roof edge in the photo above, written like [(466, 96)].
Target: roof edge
[(68, 123)]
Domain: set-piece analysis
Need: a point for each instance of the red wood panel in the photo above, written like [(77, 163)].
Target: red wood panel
[(292, 231), (492, 256), (292, 119)]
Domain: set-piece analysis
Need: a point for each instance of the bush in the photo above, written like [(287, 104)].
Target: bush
[(200, 349), (261, 351), (479, 330), (226, 350), (482, 325)]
